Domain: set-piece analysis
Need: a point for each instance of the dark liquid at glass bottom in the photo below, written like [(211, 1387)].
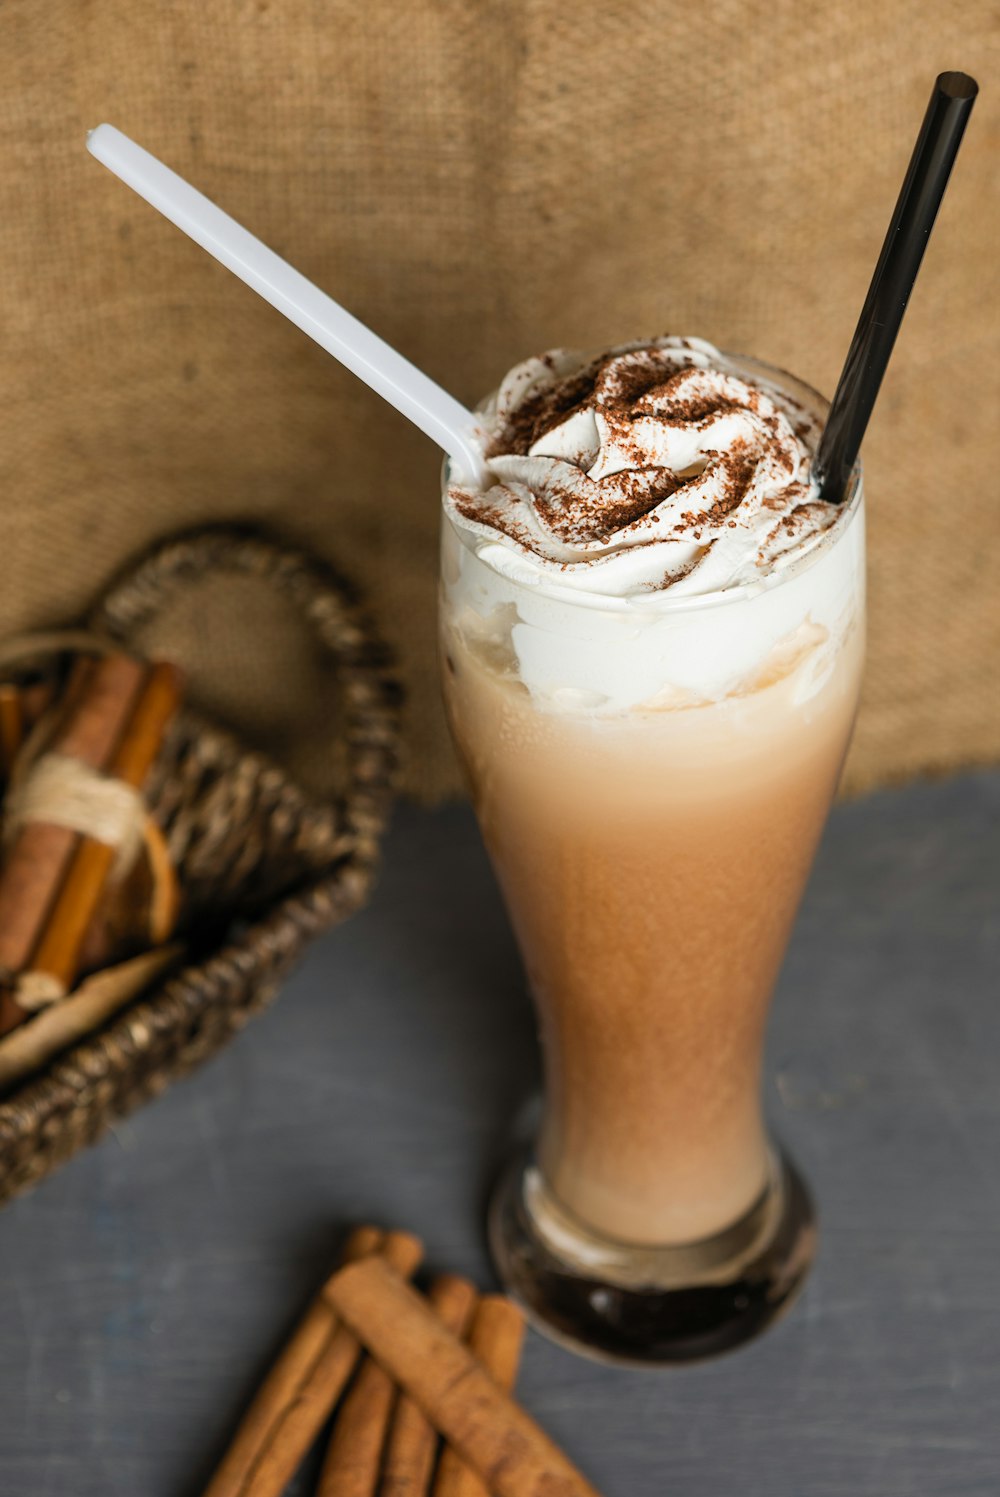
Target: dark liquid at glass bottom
[(701, 1300)]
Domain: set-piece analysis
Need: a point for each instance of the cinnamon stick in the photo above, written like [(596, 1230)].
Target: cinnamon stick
[(22, 705), (412, 1439), (11, 726), (98, 701), (137, 913), (492, 1434), (495, 1339), (298, 1394), (55, 961), (36, 699), (354, 1455)]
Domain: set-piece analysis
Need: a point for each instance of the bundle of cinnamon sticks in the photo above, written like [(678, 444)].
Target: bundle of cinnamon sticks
[(73, 817), (421, 1385)]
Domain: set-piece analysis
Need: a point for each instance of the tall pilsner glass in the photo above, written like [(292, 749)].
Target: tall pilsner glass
[(652, 861)]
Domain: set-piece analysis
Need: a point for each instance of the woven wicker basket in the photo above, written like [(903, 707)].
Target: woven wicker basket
[(263, 867)]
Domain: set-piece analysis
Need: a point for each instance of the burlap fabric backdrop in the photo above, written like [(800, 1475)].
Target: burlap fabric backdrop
[(479, 181)]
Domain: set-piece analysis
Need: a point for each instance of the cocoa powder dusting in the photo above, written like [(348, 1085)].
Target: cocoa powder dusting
[(542, 411), (631, 394)]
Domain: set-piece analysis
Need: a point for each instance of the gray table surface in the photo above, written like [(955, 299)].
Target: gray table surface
[(144, 1289)]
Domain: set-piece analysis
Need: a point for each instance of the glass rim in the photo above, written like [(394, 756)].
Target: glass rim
[(663, 601)]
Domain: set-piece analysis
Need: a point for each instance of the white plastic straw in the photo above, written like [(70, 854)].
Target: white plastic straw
[(437, 413)]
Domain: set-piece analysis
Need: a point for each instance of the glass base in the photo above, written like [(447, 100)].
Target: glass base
[(620, 1302)]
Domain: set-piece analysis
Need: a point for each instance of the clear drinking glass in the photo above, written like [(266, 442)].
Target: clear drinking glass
[(652, 861)]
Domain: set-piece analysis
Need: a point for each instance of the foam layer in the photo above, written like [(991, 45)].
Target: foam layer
[(625, 584)]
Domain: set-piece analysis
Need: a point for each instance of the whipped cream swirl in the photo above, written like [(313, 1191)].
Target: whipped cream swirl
[(655, 466)]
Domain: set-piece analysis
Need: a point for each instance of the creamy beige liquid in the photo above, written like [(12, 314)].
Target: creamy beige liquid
[(652, 864)]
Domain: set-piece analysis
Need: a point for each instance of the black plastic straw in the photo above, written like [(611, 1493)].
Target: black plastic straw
[(912, 220)]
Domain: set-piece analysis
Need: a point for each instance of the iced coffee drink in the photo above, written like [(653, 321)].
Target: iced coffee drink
[(652, 640)]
